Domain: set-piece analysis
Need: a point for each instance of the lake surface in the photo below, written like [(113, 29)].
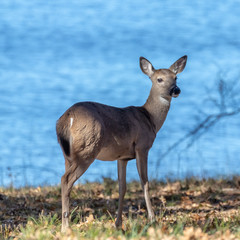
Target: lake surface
[(56, 53)]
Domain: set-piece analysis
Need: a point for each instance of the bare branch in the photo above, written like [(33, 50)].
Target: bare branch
[(225, 104), (199, 130)]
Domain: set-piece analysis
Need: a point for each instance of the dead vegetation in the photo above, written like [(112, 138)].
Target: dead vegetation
[(201, 209)]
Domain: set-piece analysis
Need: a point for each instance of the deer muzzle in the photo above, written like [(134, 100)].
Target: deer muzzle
[(175, 91)]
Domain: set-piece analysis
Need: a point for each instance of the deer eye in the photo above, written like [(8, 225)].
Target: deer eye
[(159, 80)]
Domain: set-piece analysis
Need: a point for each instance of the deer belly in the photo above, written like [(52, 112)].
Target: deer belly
[(111, 154)]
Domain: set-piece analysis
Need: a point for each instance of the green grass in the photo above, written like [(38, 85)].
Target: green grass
[(189, 209)]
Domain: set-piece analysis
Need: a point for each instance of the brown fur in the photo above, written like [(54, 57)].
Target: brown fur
[(89, 131)]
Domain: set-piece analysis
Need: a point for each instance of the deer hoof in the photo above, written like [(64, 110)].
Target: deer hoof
[(118, 224)]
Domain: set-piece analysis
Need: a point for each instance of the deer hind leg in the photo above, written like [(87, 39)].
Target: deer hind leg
[(142, 158), (122, 190), (73, 171)]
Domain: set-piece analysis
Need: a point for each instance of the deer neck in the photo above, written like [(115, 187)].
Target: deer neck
[(158, 107)]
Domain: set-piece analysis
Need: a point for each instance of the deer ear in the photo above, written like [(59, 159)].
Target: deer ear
[(146, 67), (179, 65)]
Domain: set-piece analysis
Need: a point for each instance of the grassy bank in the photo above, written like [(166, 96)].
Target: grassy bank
[(189, 209)]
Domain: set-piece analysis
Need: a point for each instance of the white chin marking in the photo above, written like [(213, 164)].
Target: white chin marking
[(175, 95), (164, 101), (71, 122)]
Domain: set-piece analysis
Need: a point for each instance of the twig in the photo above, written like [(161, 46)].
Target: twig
[(199, 130)]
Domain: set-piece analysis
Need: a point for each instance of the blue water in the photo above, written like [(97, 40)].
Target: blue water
[(56, 53)]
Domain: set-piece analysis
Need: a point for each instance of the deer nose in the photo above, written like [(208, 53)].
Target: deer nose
[(176, 91)]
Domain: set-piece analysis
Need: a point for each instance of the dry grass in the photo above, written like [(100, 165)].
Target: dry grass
[(189, 209)]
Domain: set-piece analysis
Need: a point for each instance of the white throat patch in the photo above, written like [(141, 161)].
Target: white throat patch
[(164, 101)]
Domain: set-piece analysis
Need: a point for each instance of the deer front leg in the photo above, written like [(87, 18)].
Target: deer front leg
[(122, 190), (142, 159)]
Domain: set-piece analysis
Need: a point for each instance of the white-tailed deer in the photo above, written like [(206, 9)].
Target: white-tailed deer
[(89, 131)]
